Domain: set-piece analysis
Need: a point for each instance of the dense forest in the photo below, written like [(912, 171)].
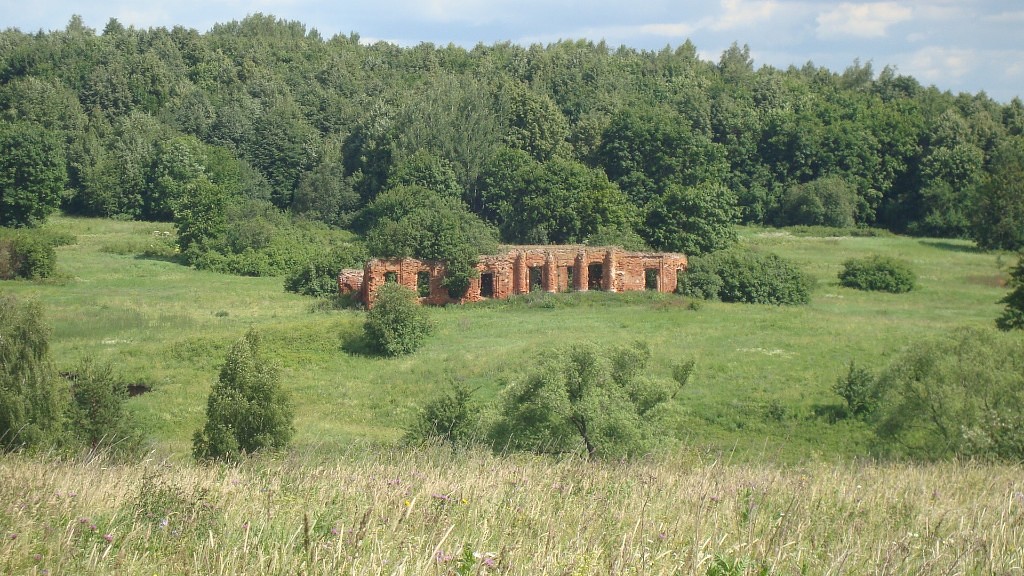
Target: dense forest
[(261, 129)]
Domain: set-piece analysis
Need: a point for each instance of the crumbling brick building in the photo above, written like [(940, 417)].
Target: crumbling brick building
[(522, 269)]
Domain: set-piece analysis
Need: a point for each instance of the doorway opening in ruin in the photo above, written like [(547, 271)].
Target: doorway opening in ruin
[(570, 281), (423, 284), (595, 276), (487, 284), (650, 279), (536, 278), (391, 276)]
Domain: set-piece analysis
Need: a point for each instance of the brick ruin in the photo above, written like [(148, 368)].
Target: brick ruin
[(522, 269)]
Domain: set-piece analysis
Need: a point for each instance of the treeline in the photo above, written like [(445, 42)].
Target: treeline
[(224, 131)]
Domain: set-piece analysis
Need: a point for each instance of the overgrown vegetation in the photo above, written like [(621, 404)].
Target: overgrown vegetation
[(743, 275), (881, 273), (955, 395), (396, 324), (319, 276), (434, 512), (581, 398), (247, 411)]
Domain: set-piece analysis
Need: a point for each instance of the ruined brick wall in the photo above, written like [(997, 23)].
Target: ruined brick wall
[(521, 269)]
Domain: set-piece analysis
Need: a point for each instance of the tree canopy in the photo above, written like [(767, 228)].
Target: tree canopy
[(547, 143)]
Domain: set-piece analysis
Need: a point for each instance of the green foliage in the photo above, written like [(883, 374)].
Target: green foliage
[(30, 399), (246, 411), (621, 236), (254, 238), (32, 173), (97, 415), (451, 418), (319, 276), (998, 218), (26, 254), (694, 220), (740, 275), (414, 221), (827, 201), (959, 394), (396, 324), (1012, 317), (581, 397), (558, 201), (881, 273), (859, 390)]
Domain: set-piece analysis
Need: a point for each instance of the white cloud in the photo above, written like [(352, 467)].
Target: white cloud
[(938, 65), (861, 20), (744, 14)]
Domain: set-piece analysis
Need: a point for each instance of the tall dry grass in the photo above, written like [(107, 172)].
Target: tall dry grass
[(428, 512)]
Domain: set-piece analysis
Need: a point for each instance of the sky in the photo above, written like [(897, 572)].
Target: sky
[(956, 45)]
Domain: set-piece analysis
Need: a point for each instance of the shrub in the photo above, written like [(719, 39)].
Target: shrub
[(97, 413), (396, 324), (1012, 317), (450, 418), (859, 390), (27, 254), (960, 394), (745, 276), (581, 398), (319, 276), (247, 411), (30, 399), (827, 201), (880, 273)]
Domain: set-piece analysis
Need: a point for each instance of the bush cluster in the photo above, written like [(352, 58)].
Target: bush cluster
[(29, 253), (396, 324), (880, 273), (319, 276), (740, 275)]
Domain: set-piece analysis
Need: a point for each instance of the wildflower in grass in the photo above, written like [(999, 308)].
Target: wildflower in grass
[(14, 536), (163, 523), (487, 559), (108, 537), (442, 557)]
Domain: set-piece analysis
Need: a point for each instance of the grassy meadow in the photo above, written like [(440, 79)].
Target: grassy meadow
[(761, 389), (756, 479), (426, 512)]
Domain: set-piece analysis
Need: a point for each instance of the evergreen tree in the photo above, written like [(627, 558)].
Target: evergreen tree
[(30, 400), (247, 411)]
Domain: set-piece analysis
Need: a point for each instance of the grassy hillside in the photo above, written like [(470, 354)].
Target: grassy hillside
[(761, 388)]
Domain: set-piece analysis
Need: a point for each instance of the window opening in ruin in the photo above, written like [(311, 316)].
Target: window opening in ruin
[(487, 285), (650, 279), (391, 276), (536, 278), (595, 276), (570, 282), (423, 284)]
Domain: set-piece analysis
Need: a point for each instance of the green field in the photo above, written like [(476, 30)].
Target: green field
[(761, 390)]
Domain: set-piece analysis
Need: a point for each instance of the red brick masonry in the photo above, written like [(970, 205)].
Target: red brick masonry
[(521, 269)]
